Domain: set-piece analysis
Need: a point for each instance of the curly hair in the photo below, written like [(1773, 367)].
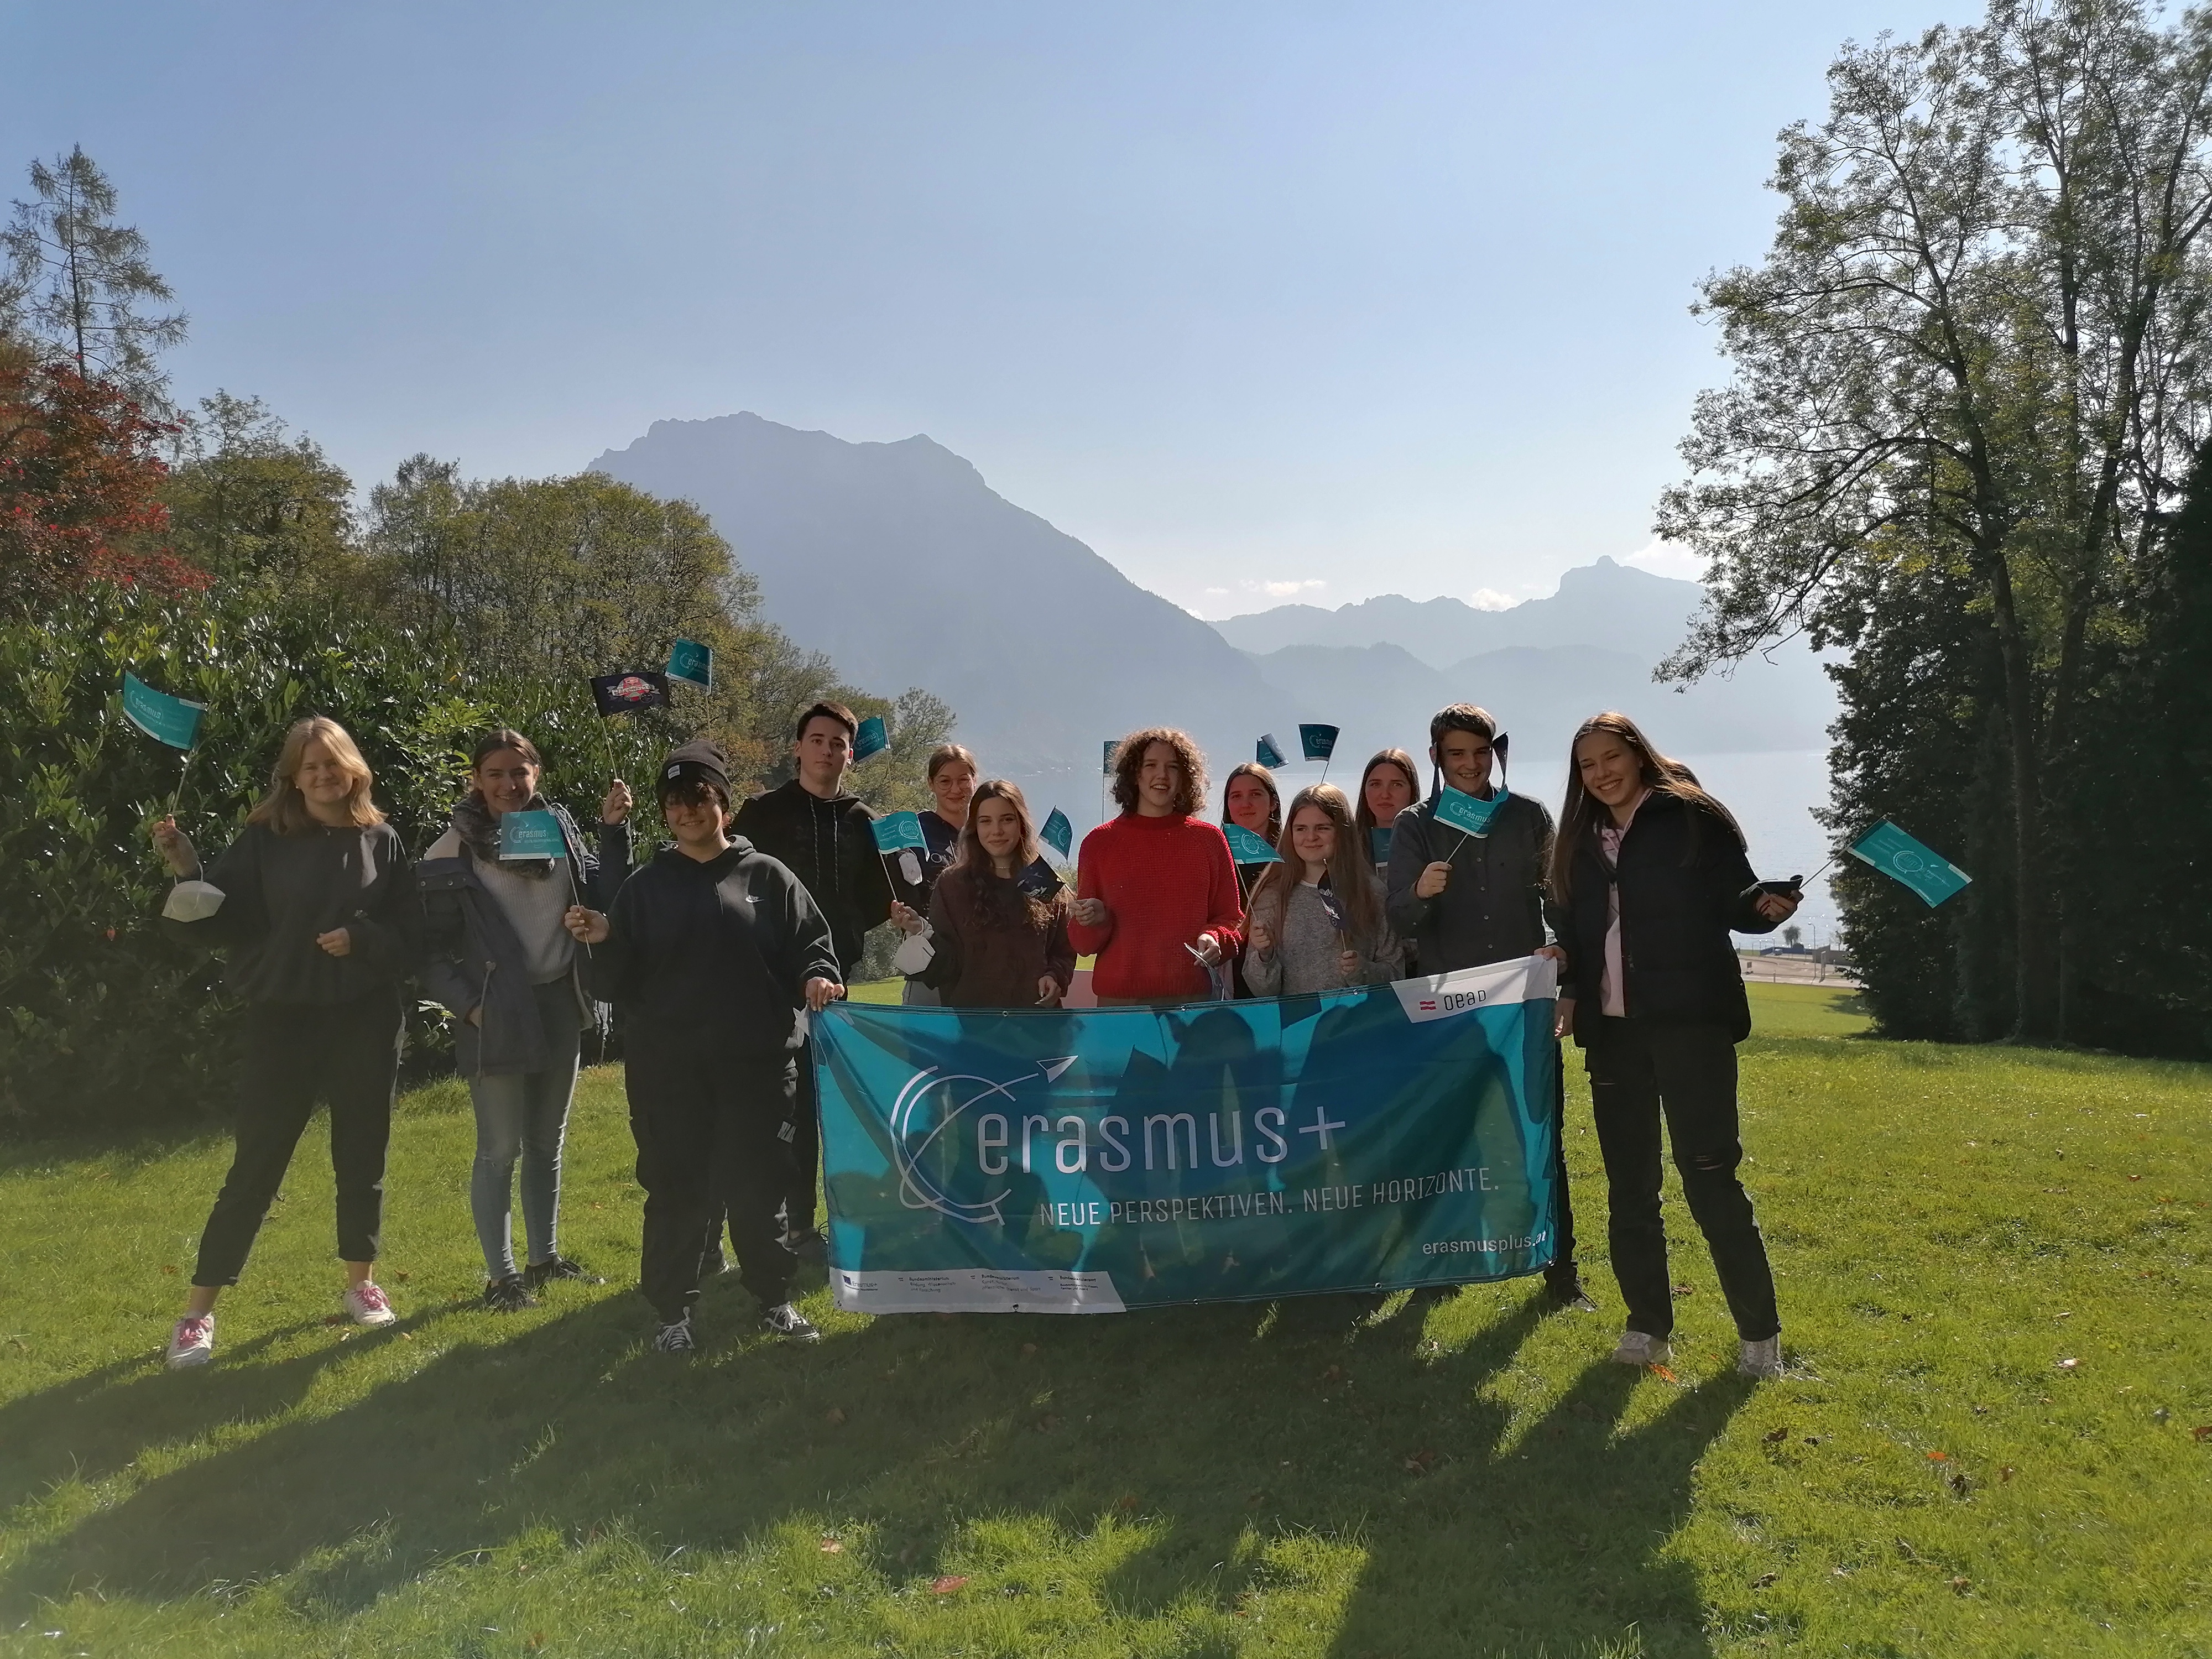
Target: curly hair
[(1129, 759)]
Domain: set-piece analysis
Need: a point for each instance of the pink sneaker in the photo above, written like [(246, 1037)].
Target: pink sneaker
[(369, 1305), (192, 1343)]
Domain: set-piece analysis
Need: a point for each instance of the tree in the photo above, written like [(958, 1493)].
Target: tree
[(1971, 363), (254, 508), (76, 280), (80, 488)]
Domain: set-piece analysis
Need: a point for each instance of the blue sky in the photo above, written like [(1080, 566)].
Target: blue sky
[(1382, 298)]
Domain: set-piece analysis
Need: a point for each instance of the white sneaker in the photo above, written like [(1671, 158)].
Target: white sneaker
[(369, 1305), (676, 1338), (192, 1343), (1637, 1349), (1760, 1358)]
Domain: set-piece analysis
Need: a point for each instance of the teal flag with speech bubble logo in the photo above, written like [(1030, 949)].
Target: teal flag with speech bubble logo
[(1245, 847), (872, 738), (1470, 813), (897, 831), (1269, 752), (1898, 856), (693, 663), (1092, 1161), (1058, 833), (531, 835), (161, 717)]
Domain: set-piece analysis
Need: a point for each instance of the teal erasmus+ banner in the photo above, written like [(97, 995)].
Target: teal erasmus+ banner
[(1094, 1160)]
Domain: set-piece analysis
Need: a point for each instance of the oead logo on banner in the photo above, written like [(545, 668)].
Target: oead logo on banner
[(1447, 994)]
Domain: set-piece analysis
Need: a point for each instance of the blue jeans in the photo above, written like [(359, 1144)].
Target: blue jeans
[(524, 1114)]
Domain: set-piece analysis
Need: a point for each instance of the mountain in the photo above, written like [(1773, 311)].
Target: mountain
[(1385, 664), (1614, 606), (902, 564)]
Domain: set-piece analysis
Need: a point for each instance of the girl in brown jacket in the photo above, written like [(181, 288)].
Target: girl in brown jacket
[(998, 917)]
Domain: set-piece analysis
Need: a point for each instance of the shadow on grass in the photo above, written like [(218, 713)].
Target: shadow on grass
[(1220, 1429)]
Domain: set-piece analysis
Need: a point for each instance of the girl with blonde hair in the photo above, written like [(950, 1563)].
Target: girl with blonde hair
[(315, 905)]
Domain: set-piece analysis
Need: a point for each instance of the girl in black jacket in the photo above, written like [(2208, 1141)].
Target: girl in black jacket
[(316, 902), (1649, 878)]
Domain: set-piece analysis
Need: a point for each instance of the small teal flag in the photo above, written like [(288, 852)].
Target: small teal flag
[(871, 738), (1897, 855), (531, 835), (896, 831), (1319, 742), (692, 663), (1379, 842), (1245, 847), (1470, 813), (161, 717), (1267, 752), (1058, 833), (1112, 744)]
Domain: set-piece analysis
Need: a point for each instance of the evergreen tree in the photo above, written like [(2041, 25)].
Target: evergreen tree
[(76, 281)]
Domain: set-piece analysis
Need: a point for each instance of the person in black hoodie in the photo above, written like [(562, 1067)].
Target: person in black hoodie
[(821, 835), (1649, 878), (315, 902), (1461, 901), (710, 952)]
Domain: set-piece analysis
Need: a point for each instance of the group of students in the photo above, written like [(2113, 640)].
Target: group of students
[(758, 912)]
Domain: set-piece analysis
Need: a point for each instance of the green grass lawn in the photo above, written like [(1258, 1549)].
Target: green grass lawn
[(1993, 1272)]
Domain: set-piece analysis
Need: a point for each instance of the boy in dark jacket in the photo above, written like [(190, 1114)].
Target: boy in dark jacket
[(1469, 900), (821, 835), (711, 950)]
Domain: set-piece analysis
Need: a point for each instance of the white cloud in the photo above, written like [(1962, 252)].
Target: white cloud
[(1217, 590), (1284, 590), (1489, 599), (1669, 559)]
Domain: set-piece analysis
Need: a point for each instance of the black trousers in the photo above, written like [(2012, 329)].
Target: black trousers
[(346, 1053), (1562, 1270), (805, 1149), (710, 1131), (1639, 1071)]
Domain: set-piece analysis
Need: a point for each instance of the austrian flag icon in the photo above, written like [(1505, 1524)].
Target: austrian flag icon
[(1428, 1005)]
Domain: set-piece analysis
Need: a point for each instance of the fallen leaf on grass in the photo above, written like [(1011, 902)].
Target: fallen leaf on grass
[(2005, 1474), (1128, 1501), (834, 1416), (168, 1266), (2067, 1364), (1961, 1586), (1684, 1289), (1333, 1374), (1419, 1462), (1048, 1423), (832, 1546), (1028, 1348), (1662, 1371), (401, 1277), (2201, 1434), (947, 1584), (1939, 1457), (1776, 1436), (1763, 1580)]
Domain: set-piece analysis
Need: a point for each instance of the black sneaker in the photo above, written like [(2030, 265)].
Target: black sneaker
[(677, 1338), (508, 1294), (538, 1274), (1563, 1291), (787, 1322)]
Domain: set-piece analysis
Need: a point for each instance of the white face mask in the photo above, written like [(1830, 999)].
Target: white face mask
[(193, 901), (915, 953)]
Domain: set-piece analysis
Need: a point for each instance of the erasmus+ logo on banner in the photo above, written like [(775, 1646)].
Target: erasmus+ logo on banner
[(1079, 1160)]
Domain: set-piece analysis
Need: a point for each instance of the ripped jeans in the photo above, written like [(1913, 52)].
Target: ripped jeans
[(1639, 1070)]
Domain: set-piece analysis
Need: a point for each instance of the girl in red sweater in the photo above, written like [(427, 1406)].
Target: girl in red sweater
[(1156, 884)]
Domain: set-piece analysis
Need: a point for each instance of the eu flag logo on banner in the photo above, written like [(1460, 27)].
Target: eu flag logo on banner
[(1266, 752), (1469, 813), (1897, 855), (692, 663), (897, 831), (1319, 742), (1112, 744), (872, 739), (1058, 833), (161, 717), (1245, 847), (1379, 842), (531, 835), (626, 693)]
